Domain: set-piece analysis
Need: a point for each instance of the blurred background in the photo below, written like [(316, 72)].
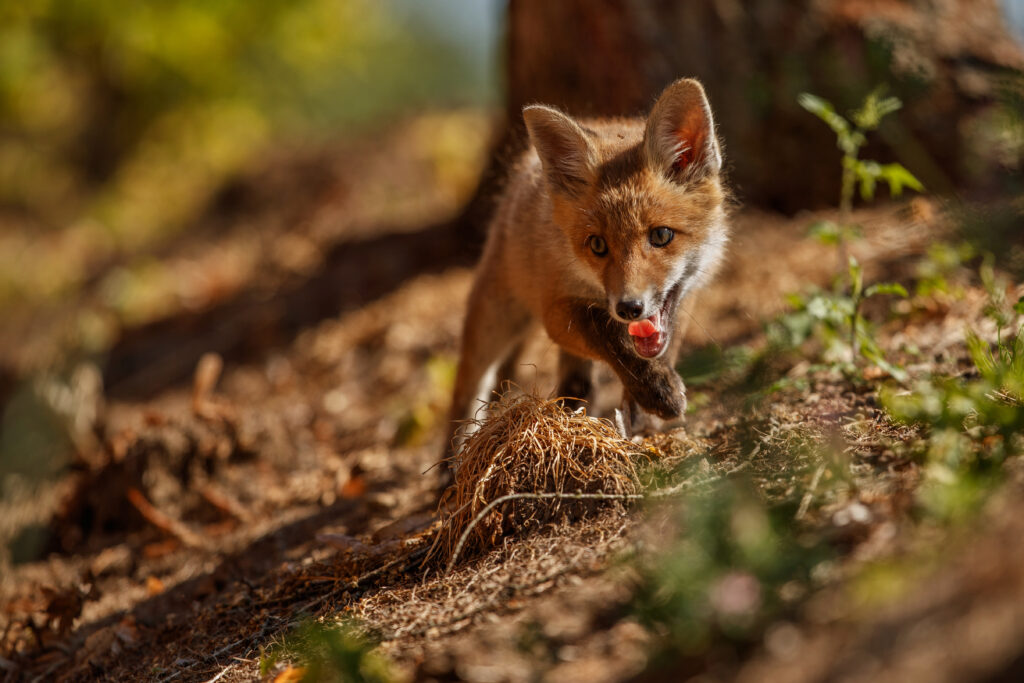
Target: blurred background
[(180, 162), (122, 127)]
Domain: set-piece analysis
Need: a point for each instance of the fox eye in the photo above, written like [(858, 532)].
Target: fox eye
[(597, 245), (661, 236)]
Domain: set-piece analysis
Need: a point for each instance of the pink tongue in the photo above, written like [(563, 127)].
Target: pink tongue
[(644, 328)]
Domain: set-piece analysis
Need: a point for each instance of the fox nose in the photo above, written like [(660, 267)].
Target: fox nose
[(630, 309)]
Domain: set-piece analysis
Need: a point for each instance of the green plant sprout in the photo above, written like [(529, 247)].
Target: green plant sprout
[(840, 309), (865, 344), (836, 319), (943, 261), (341, 652), (974, 421), (851, 136), (1003, 365)]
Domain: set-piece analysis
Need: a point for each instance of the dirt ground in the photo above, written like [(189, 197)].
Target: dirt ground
[(267, 457)]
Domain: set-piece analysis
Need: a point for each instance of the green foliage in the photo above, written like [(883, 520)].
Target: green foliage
[(851, 137), (122, 120), (1001, 365), (941, 262), (744, 371), (973, 423), (341, 653), (996, 308), (832, 233), (722, 576), (835, 319)]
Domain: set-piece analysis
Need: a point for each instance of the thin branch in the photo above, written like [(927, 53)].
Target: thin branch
[(809, 496), (219, 676), (164, 522)]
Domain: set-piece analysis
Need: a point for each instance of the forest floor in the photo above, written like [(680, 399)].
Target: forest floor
[(263, 460)]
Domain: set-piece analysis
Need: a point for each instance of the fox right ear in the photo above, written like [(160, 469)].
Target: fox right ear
[(680, 136), (568, 157)]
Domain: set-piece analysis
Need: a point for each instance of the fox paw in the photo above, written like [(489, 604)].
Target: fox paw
[(660, 391)]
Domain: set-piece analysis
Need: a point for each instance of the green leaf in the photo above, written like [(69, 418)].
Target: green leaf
[(867, 175), (819, 308), (898, 177), (982, 355), (856, 277), (867, 187), (874, 354), (874, 109), (850, 143), (829, 309), (824, 110), (1019, 306), (825, 231), (891, 288), (796, 300), (888, 105)]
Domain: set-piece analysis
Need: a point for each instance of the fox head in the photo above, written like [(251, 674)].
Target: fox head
[(640, 203)]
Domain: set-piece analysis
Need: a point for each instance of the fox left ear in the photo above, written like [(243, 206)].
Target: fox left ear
[(564, 149), (680, 136)]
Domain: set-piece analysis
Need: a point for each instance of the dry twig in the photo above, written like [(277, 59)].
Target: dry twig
[(164, 522)]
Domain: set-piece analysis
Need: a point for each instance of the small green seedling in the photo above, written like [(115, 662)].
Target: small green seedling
[(1002, 365), (836, 319), (862, 342), (341, 652), (851, 136), (842, 308), (935, 273)]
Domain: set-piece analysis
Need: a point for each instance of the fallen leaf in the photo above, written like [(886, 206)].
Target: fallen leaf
[(873, 372), (355, 487), (156, 550), (154, 586), (63, 607)]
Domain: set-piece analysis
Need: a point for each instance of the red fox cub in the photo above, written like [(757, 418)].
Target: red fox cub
[(603, 228)]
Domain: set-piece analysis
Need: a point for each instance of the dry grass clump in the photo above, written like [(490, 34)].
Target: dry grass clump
[(533, 446)]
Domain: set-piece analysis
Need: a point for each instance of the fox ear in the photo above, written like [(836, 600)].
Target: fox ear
[(568, 157), (679, 140)]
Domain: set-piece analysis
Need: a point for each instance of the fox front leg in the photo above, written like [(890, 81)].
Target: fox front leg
[(492, 336), (649, 386), (652, 384)]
